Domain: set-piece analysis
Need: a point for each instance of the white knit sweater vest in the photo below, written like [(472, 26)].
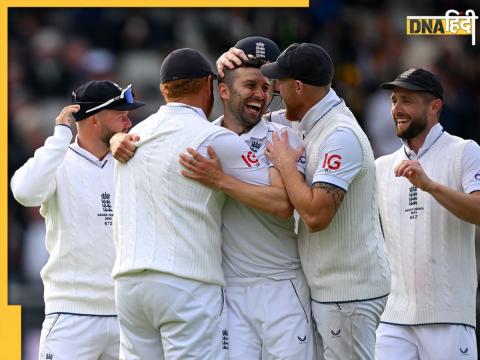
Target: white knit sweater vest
[(346, 261), (431, 251), (164, 221)]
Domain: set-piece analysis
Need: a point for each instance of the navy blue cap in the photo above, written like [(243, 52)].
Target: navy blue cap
[(259, 47), (95, 96), (185, 64), (417, 79), (306, 62)]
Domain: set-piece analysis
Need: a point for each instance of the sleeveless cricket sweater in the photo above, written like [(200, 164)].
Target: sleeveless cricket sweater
[(346, 261), (432, 252)]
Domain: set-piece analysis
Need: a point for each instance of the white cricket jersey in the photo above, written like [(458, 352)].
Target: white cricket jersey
[(340, 159), (340, 154), (279, 117), (256, 244), (470, 158), (164, 221)]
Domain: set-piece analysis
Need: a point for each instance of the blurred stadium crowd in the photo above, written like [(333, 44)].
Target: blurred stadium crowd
[(52, 51)]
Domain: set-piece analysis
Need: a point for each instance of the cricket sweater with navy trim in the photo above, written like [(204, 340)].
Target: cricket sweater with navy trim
[(76, 194), (431, 251)]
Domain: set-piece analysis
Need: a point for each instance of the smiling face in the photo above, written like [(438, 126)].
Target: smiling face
[(413, 113), (246, 97)]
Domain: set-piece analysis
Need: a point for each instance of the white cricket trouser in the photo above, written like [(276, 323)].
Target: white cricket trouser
[(79, 337), (347, 330), (164, 316), (425, 342), (270, 319)]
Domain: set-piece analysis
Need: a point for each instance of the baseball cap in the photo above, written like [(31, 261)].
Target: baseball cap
[(417, 79), (95, 96), (306, 62), (259, 47), (185, 64)]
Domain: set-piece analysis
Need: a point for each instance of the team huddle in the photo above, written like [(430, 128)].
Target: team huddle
[(260, 235)]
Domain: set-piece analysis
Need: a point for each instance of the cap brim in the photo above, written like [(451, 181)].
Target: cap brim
[(125, 106), (401, 84), (273, 71)]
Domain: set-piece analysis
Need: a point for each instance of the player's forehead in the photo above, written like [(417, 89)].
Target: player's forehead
[(399, 92), (246, 74)]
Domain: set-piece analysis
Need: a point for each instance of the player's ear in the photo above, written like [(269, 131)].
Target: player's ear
[(298, 87), (94, 120), (223, 91), (436, 106)]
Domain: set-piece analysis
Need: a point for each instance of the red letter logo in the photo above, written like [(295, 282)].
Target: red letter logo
[(250, 159), (331, 162)]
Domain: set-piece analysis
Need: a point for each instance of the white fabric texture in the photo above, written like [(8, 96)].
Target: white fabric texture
[(166, 222), (426, 342), (347, 330), (431, 251), (346, 261), (256, 244), (270, 319), (76, 194), (167, 317), (79, 337), (340, 159)]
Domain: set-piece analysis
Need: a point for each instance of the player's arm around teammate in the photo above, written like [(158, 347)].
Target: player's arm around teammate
[(272, 199)]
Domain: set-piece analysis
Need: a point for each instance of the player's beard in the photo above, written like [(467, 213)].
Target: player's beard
[(417, 125), (291, 111), (107, 134), (237, 107)]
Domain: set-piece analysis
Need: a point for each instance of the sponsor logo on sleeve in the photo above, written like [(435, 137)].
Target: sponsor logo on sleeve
[(477, 176), (250, 159), (331, 162)]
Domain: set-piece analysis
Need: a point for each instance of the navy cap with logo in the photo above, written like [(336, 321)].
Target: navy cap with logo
[(185, 64), (259, 48), (95, 96), (417, 79), (306, 62)]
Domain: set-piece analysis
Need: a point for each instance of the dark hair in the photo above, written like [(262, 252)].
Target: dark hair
[(229, 74)]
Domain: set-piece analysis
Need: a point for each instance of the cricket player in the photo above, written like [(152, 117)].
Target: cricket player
[(73, 183), (168, 274), (429, 200), (268, 299), (340, 239)]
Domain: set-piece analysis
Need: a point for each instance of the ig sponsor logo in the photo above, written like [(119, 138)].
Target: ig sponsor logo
[(331, 162), (477, 176), (250, 159)]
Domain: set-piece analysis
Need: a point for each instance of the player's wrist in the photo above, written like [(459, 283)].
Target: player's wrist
[(431, 187)]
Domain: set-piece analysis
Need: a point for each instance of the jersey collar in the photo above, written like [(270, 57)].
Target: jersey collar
[(88, 155), (432, 136), (318, 111), (259, 131)]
